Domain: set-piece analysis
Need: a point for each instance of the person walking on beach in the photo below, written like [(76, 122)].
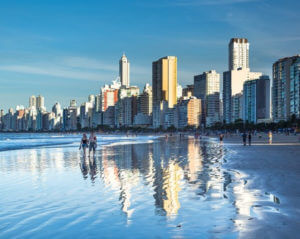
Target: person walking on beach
[(244, 138), (93, 143), (270, 137), (249, 138), (84, 144), (221, 138)]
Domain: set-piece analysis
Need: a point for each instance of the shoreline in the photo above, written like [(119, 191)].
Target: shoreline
[(271, 172)]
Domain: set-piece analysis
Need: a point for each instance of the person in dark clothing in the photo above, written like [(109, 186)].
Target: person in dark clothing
[(249, 138), (221, 138), (84, 143), (244, 138)]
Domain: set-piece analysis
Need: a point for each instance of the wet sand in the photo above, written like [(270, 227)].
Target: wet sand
[(174, 188), (271, 171)]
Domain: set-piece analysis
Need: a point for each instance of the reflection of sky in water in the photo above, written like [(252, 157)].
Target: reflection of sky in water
[(167, 189)]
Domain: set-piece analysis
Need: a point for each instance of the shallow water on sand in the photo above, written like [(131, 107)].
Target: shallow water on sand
[(151, 189)]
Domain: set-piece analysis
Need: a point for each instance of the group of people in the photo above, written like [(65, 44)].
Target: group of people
[(248, 136), (90, 143), (245, 138)]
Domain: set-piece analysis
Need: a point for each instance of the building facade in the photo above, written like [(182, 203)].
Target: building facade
[(207, 88), (146, 100), (238, 54), (284, 70), (124, 71), (164, 87), (256, 99), (295, 88)]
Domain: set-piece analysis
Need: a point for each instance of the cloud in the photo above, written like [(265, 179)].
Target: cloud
[(87, 63), (54, 71), (92, 64), (77, 68)]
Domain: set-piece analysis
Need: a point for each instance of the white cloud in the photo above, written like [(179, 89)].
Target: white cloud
[(87, 63), (55, 71)]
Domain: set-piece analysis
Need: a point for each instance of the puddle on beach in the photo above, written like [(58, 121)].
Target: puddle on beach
[(164, 189)]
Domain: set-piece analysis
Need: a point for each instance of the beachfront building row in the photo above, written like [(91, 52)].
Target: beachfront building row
[(240, 95)]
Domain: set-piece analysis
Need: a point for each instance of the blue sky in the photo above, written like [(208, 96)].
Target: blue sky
[(68, 49)]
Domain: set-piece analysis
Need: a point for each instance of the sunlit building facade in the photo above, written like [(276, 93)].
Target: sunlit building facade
[(124, 71), (164, 86)]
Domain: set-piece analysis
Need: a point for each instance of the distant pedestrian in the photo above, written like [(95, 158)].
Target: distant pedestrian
[(249, 139), (270, 137), (221, 138), (244, 138)]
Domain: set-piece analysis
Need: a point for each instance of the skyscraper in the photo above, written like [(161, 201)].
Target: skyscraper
[(40, 102), (164, 87), (234, 78), (124, 71), (207, 88), (256, 99), (282, 89), (32, 101), (295, 88), (238, 54), (164, 80)]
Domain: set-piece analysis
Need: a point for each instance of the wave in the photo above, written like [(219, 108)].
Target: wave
[(27, 141)]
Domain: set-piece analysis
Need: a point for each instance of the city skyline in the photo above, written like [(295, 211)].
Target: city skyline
[(67, 56)]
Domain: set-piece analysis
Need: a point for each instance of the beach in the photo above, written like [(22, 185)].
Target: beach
[(273, 172), (149, 187)]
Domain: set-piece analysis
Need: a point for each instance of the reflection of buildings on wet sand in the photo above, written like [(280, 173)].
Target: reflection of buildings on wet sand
[(161, 166), (168, 175), (194, 158), (167, 187), (36, 161)]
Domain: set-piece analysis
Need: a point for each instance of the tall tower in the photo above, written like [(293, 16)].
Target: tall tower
[(164, 80), (32, 101), (124, 71), (238, 53), (40, 102)]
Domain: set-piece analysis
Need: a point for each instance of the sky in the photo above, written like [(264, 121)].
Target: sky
[(67, 50)]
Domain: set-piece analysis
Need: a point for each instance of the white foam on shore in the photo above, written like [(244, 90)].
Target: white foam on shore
[(25, 141)]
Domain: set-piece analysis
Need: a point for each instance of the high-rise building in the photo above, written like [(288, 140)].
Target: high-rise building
[(283, 71), (108, 97), (179, 91), (73, 103), (238, 54), (57, 110), (124, 71), (295, 88), (189, 112), (256, 100), (188, 91), (32, 101), (207, 88), (233, 80), (164, 80), (126, 107), (40, 102), (236, 107), (164, 87), (91, 99), (146, 100)]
